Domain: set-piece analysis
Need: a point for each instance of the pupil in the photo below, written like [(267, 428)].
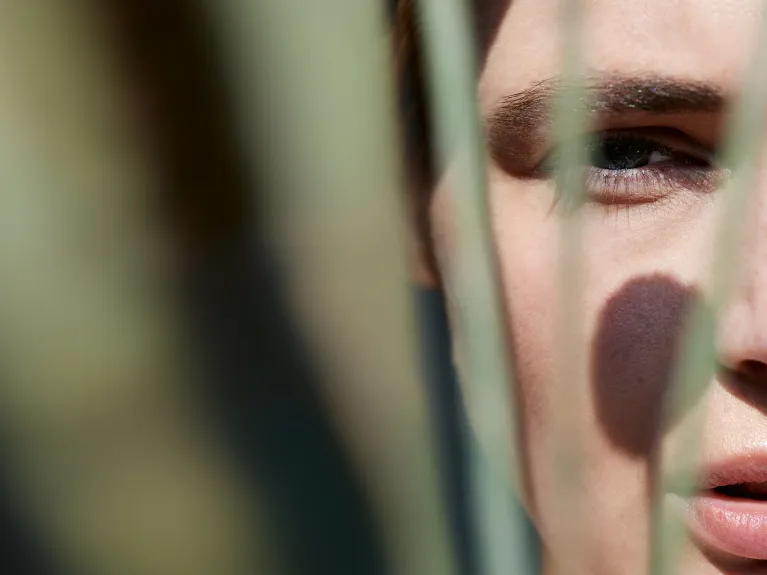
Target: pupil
[(622, 154)]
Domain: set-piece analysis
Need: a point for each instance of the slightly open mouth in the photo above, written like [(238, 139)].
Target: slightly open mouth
[(755, 491)]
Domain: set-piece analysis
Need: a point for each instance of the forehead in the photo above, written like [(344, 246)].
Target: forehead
[(701, 40)]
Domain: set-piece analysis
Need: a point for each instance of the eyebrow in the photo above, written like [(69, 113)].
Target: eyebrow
[(519, 117)]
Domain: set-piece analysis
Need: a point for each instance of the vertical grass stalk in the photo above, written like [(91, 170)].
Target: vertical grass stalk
[(315, 99), (474, 288), (570, 132), (105, 445), (697, 361)]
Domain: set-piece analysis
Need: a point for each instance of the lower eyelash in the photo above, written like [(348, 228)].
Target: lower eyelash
[(648, 184)]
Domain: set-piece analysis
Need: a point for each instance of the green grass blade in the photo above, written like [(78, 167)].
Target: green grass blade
[(320, 77), (476, 305), (697, 359), (112, 466), (569, 390)]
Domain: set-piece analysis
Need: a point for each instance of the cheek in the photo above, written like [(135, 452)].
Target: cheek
[(638, 267), (527, 258), (635, 290), (526, 243)]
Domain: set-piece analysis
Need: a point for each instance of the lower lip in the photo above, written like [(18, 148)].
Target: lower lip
[(731, 525)]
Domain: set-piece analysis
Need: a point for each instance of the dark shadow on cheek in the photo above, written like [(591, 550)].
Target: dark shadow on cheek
[(633, 359)]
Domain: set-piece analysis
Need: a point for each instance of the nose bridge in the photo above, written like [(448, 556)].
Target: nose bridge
[(752, 273), (744, 324)]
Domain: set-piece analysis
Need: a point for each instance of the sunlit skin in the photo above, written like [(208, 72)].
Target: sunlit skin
[(655, 196)]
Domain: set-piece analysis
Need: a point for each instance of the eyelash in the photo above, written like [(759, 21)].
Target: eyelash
[(690, 168)]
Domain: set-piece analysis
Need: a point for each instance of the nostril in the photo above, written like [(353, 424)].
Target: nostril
[(752, 368)]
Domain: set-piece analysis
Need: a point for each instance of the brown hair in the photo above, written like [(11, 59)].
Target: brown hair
[(415, 125), (411, 95), (412, 99), (412, 92)]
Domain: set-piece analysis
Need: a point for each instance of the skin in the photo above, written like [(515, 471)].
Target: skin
[(644, 261)]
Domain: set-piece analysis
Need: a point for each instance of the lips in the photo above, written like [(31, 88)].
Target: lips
[(729, 512)]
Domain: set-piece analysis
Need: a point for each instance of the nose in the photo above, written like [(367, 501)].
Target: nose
[(742, 337)]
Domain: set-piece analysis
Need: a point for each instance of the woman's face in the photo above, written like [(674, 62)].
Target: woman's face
[(661, 75)]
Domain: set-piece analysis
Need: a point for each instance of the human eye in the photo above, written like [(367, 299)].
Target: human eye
[(641, 166)]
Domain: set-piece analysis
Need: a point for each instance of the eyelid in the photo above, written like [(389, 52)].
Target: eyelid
[(651, 183), (668, 139)]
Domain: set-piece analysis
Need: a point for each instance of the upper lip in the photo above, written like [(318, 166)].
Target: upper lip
[(748, 468)]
